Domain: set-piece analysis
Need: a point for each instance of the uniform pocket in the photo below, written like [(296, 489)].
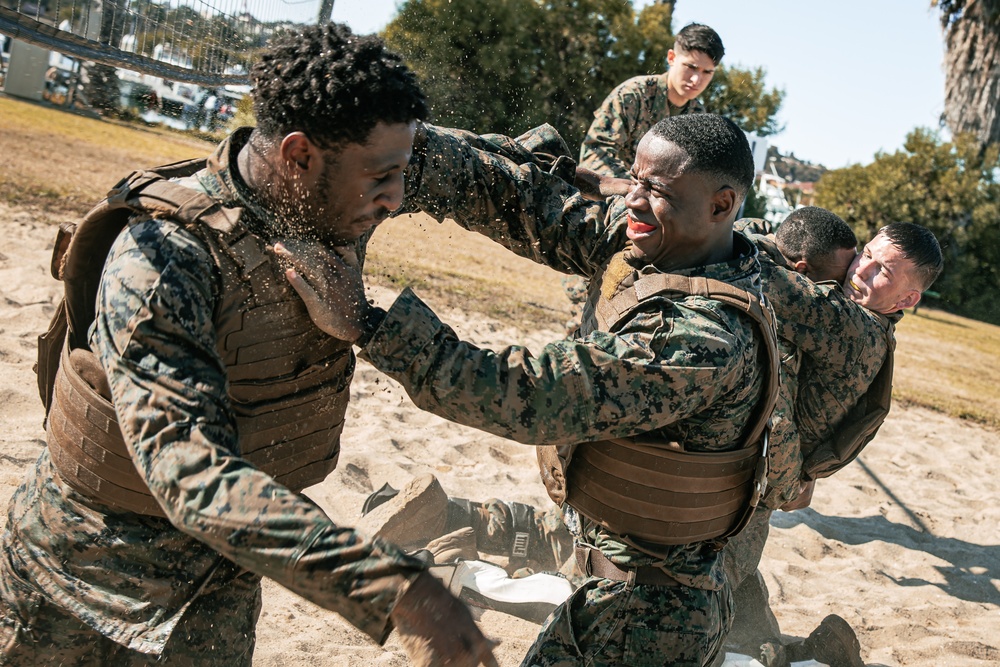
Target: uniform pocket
[(645, 647)]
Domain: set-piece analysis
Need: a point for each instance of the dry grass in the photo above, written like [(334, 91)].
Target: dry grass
[(949, 363), (65, 161), (58, 163)]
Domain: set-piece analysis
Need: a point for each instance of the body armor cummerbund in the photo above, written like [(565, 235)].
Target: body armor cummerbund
[(623, 485)]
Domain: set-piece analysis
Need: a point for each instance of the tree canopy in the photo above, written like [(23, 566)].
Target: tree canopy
[(510, 65), (951, 187)]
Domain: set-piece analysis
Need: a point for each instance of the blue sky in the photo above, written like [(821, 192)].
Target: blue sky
[(858, 75)]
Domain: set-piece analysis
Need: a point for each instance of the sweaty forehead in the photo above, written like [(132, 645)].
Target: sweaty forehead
[(658, 157)]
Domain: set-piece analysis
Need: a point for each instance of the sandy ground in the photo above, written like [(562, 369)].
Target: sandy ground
[(904, 544)]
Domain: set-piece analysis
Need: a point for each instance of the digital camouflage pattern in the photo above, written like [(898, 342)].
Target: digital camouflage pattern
[(134, 579), (685, 370), (842, 344), (613, 623), (624, 117)]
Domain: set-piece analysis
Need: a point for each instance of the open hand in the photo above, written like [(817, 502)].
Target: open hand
[(329, 282), (436, 629)]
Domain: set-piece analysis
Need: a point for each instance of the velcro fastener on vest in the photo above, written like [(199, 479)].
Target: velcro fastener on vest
[(656, 531), (85, 454), (314, 473), (294, 421)]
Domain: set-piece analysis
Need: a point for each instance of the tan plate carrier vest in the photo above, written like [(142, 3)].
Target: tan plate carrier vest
[(656, 491), (289, 382), (861, 423)]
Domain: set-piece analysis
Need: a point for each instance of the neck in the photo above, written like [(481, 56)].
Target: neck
[(693, 256), (676, 98), (254, 163)]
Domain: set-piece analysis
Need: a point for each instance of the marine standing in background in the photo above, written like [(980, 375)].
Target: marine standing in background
[(634, 106)]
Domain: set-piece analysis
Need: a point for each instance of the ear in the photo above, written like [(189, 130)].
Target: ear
[(671, 54), (298, 153), (725, 204), (801, 266), (908, 300)]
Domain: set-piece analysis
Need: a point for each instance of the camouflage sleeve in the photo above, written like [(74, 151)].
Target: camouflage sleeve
[(535, 214), (155, 337), (843, 347), (664, 365), (609, 146), (753, 227), (826, 326)]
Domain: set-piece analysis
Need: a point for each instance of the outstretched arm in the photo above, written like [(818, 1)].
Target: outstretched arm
[(636, 380), (534, 213)]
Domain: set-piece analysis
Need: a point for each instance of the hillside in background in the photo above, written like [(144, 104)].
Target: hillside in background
[(793, 169)]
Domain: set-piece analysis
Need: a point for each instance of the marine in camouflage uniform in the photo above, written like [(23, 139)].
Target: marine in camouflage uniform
[(685, 369), (837, 347), (813, 313), (84, 582), (636, 105), (141, 580)]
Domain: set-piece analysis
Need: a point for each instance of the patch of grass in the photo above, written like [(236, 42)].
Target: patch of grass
[(64, 161), (949, 363)]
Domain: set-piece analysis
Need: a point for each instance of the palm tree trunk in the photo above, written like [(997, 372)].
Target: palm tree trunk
[(972, 70)]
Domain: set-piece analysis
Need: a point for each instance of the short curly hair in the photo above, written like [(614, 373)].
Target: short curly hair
[(332, 85)]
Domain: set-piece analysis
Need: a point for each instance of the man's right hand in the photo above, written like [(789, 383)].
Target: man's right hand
[(597, 187), (803, 499), (436, 629)]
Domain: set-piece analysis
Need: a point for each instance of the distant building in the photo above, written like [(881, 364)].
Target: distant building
[(772, 188)]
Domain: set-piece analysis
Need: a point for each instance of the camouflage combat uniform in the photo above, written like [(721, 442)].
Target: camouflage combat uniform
[(687, 370), (84, 584), (624, 117), (838, 348)]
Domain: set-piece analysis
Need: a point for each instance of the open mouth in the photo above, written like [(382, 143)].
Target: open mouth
[(640, 227)]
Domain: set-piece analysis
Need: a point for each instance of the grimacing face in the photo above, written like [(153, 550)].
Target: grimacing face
[(881, 279), (689, 74), (361, 184), (670, 211)]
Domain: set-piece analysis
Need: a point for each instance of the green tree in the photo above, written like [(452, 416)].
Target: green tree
[(952, 188), (509, 65), (742, 96)]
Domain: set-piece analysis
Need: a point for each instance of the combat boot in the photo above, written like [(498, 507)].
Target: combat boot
[(833, 643), (413, 517)]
